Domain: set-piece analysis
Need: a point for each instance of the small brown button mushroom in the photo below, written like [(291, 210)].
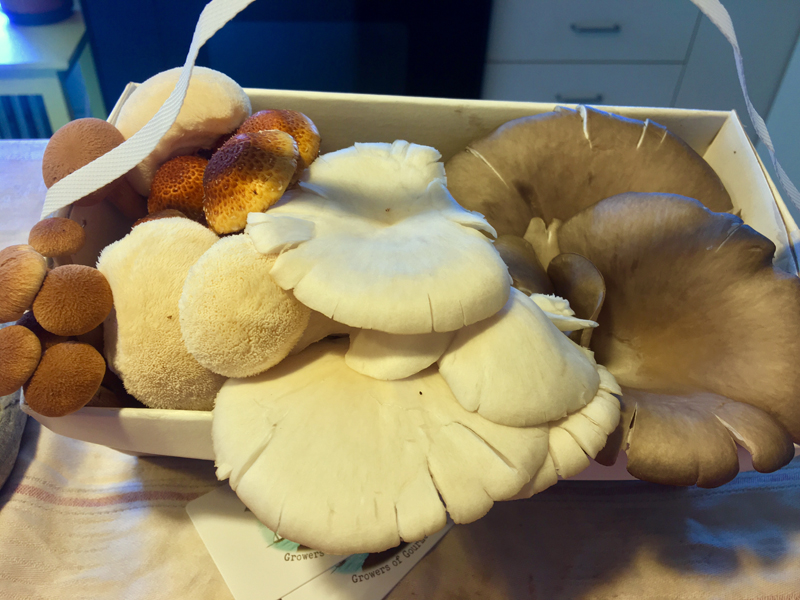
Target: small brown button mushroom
[(22, 270), (74, 299), (578, 280), (20, 352), (46, 338), (127, 200), (68, 376), (56, 237), (75, 145), (527, 274), (178, 185)]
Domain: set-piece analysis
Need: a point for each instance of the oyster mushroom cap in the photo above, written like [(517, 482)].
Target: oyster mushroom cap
[(22, 271), (143, 344), (555, 164), (355, 464), (234, 319), (552, 377), (214, 105), (391, 356), (319, 327), (578, 280), (384, 245), (693, 306), (527, 273)]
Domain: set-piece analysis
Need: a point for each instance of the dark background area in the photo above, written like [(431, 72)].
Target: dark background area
[(404, 47)]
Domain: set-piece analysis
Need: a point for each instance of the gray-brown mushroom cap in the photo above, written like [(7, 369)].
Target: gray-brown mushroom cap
[(700, 328), (527, 273), (556, 164), (56, 237), (575, 278), (22, 271)]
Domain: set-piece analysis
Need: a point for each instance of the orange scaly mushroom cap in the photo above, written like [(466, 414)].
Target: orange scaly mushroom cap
[(248, 174), (296, 124), (178, 185)]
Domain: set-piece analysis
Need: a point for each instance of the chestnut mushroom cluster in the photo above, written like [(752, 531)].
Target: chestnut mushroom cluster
[(694, 320), (53, 310)]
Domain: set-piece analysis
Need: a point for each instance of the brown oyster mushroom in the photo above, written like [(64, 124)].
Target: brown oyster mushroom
[(46, 338), (527, 274), (22, 271), (555, 164), (20, 352), (578, 280), (75, 145), (700, 329), (57, 237), (68, 376), (73, 300)]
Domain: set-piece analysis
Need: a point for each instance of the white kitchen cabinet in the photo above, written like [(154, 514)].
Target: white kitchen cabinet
[(637, 52)]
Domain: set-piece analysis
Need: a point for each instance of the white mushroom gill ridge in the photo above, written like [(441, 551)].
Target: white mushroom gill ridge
[(390, 249)]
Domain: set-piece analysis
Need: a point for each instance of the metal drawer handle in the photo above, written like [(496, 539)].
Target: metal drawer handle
[(589, 29), (597, 99)]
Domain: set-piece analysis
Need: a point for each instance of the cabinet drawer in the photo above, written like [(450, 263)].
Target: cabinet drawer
[(621, 85), (581, 30)]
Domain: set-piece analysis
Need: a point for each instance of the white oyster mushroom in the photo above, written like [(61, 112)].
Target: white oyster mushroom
[(234, 319), (386, 246), (517, 368), (319, 327), (391, 356), (560, 313), (345, 463), (143, 345)]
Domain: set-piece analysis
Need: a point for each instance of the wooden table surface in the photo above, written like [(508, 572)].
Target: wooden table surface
[(577, 540)]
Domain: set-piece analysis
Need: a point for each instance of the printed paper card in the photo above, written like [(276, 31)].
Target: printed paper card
[(258, 565)]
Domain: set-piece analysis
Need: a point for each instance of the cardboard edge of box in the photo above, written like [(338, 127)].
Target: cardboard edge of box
[(716, 135)]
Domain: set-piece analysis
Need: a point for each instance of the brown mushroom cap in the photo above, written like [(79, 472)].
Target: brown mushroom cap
[(701, 330), (75, 145), (162, 214), (46, 338), (74, 299), (127, 200), (22, 270), (248, 174), (296, 124), (527, 273), (56, 237), (20, 352), (67, 377), (578, 280), (178, 185), (556, 164)]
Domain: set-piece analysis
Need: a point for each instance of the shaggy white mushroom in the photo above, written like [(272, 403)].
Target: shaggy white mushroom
[(143, 345), (234, 319), (344, 463), (377, 242), (517, 368)]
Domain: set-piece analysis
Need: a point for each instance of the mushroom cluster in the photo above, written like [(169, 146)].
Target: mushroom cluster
[(55, 311), (694, 321)]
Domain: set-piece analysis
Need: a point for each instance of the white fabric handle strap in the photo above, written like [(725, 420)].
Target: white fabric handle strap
[(714, 10), (131, 152)]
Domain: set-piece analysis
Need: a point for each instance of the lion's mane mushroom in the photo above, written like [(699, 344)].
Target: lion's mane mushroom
[(215, 105), (554, 165), (234, 319), (146, 270), (22, 270), (20, 351), (75, 145), (56, 237), (73, 300), (701, 331), (374, 240), (67, 377)]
